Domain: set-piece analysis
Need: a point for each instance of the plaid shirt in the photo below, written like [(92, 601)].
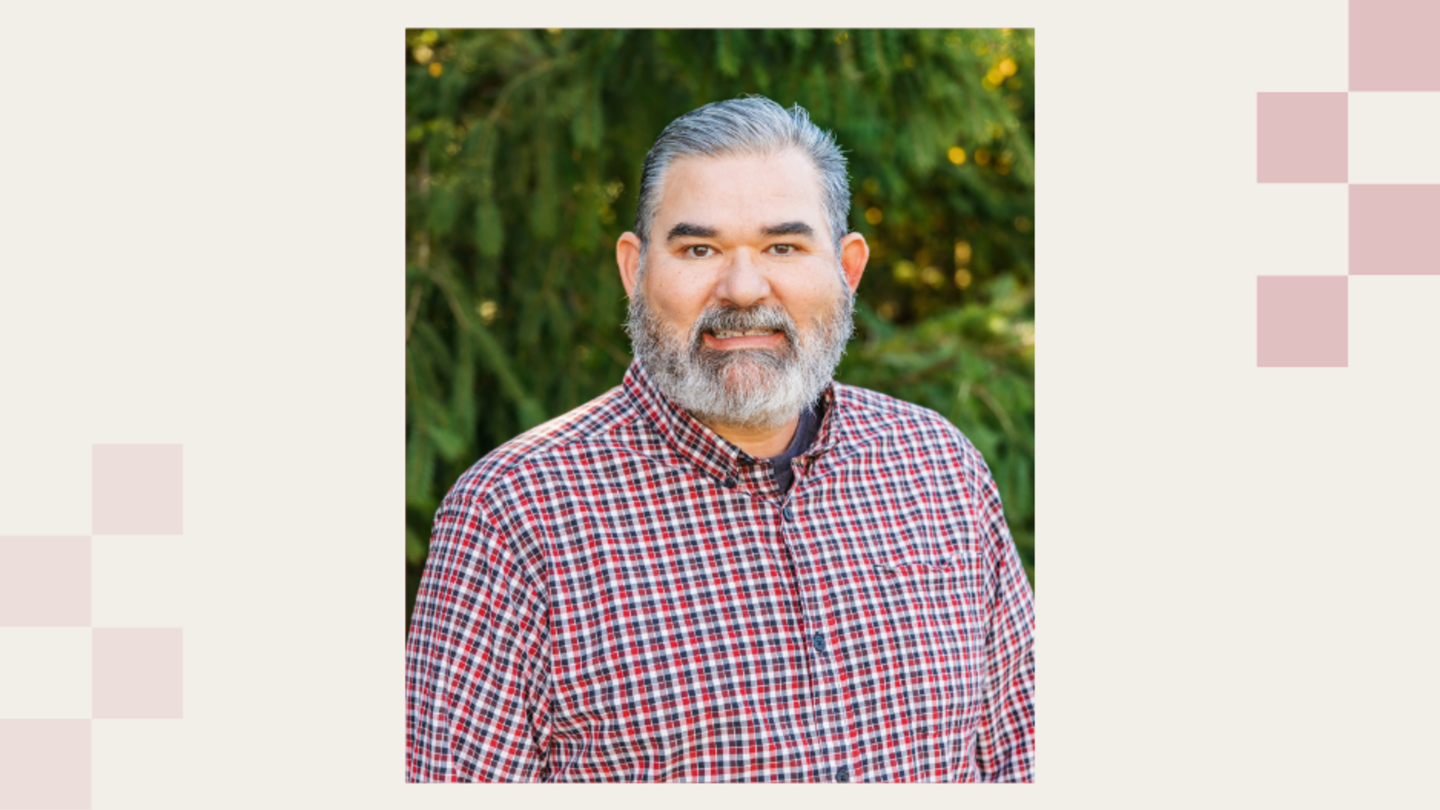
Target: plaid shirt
[(622, 595)]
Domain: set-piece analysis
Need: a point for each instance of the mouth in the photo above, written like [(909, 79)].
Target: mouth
[(744, 339)]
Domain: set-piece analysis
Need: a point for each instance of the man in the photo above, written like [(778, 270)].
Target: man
[(729, 567)]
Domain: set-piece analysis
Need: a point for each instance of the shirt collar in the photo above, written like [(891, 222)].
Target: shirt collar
[(716, 457)]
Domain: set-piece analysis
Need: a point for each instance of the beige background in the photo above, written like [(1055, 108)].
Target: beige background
[(203, 244)]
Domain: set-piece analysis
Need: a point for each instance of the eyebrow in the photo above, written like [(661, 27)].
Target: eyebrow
[(683, 229), (789, 229)]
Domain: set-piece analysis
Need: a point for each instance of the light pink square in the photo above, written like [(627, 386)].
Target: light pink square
[(1394, 230), (1303, 138), (137, 489), (44, 581), (1304, 321), (137, 673), (44, 764), (1392, 45)]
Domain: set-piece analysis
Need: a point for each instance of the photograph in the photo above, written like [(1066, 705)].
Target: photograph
[(719, 405), (719, 385)]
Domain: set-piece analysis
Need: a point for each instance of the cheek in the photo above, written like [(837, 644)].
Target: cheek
[(676, 302), (811, 303)]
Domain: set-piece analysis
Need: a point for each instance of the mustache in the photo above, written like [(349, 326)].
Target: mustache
[(736, 319)]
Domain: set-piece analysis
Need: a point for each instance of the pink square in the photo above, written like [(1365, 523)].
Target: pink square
[(1303, 321), (137, 673), (136, 489), (1392, 45), (1303, 137), (44, 764), (44, 581), (1393, 230)]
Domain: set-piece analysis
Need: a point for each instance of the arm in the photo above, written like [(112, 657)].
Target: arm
[(477, 658), (1005, 751)]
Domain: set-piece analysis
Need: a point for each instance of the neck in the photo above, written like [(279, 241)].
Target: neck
[(759, 442)]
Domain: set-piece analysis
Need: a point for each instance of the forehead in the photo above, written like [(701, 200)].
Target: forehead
[(744, 192)]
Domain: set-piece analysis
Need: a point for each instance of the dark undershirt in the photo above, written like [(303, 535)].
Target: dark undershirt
[(804, 437)]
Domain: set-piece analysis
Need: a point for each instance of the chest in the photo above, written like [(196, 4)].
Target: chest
[(687, 617)]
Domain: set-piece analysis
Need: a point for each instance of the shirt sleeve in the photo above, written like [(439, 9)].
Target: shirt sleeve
[(477, 658), (1005, 751)]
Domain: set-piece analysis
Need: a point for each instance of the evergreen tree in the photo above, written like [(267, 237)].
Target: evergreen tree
[(523, 158)]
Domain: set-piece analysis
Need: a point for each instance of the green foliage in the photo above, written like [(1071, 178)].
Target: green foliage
[(523, 156)]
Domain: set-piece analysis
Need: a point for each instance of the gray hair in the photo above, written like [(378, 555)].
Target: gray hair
[(752, 125)]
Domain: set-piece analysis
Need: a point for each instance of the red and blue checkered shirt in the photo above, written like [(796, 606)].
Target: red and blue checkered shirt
[(622, 595)]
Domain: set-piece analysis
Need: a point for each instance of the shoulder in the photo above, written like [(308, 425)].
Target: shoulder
[(942, 457), (873, 416), (504, 474), (487, 525), (917, 433)]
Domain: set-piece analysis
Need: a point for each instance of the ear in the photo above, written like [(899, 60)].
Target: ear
[(854, 253), (627, 255)]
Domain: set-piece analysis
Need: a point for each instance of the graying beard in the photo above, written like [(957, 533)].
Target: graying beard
[(772, 389)]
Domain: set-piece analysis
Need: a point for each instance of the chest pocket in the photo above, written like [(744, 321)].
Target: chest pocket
[(942, 634), (945, 582)]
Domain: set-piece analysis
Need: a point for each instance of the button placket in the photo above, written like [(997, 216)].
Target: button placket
[(826, 688)]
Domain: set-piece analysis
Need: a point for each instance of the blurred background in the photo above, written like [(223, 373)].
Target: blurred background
[(523, 153)]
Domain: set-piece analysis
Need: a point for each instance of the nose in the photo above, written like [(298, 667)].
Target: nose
[(743, 281)]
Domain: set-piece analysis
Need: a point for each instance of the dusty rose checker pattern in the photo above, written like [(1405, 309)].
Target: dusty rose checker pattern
[(137, 673), (1303, 321), (873, 625), (1393, 45), (137, 489), (44, 764), (1302, 138), (1394, 230), (45, 582)]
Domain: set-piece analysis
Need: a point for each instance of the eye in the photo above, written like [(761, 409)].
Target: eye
[(782, 250), (699, 251)]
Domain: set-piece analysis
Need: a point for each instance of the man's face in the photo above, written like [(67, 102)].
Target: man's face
[(743, 307)]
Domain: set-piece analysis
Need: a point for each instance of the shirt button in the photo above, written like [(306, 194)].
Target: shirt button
[(729, 483), (842, 774), (789, 515), (819, 642)]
